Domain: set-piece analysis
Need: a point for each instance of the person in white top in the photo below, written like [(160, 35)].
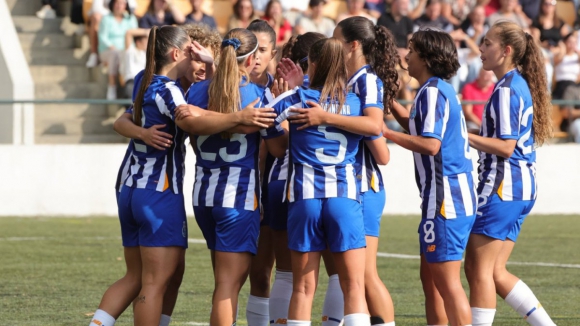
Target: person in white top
[(134, 58), (355, 8), (566, 74), (316, 21)]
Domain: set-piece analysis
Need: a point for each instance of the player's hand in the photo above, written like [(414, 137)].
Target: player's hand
[(156, 138), (199, 53), (260, 117), (182, 112), (290, 72), (279, 86), (314, 116)]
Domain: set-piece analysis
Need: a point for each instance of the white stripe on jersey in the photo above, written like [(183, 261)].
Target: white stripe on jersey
[(210, 192), (307, 182), (147, 169), (429, 121), (507, 186), (197, 185), (250, 193), (449, 208), (364, 183), (231, 188), (176, 93), (174, 166), (535, 193), (134, 169), (433, 195), (351, 181), (330, 181), (162, 176), (290, 186), (372, 94), (526, 178), (466, 193), (268, 97), (161, 105), (445, 118), (124, 172), (504, 102)]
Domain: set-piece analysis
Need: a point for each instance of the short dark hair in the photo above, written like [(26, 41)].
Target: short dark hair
[(438, 51), (314, 3)]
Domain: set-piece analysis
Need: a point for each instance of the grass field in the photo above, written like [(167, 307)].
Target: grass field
[(53, 271)]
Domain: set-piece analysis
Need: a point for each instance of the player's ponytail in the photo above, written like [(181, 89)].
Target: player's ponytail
[(528, 57), (161, 41), (379, 50), (330, 74)]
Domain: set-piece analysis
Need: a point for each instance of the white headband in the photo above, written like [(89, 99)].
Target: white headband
[(247, 54)]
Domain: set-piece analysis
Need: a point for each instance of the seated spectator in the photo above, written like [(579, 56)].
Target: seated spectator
[(566, 75), (475, 26), (209, 39), (400, 25), (509, 10), (432, 18), (161, 12), (416, 9), (48, 10), (469, 62), (491, 6), (112, 32), (456, 11), (134, 58), (355, 8), (375, 8), (280, 24), (196, 16), (549, 26), (531, 8), (243, 15), (315, 21), (99, 9), (478, 90)]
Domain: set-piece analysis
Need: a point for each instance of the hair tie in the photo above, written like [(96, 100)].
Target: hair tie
[(236, 43)]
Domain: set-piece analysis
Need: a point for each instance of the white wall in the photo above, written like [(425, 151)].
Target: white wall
[(78, 180)]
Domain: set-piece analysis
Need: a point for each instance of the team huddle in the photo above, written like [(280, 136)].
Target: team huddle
[(287, 170)]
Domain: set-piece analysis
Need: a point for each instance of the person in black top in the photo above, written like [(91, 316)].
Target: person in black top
[(398, 23)]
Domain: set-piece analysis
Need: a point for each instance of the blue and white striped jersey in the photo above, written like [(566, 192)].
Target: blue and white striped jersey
[(227, 173), (322, 157), (150, 168), (123, 172), (369, 89), (445, 180), (508, 115)]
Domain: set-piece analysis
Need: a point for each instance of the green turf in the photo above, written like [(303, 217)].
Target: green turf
[(53, 271)]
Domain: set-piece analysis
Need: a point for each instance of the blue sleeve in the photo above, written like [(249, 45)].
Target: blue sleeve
[(505, 107), (281, 105), (432, 112), (169, 98)]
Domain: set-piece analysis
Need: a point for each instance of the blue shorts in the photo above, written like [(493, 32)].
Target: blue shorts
[(151, 218), (276, 209), (444, 239), (500, 219), (372, 206), (229, 229), (317, 224)]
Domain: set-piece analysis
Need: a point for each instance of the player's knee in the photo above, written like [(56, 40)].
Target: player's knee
[(351, 285)]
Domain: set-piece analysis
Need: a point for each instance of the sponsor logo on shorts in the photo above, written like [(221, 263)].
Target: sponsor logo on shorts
[(431, 248)]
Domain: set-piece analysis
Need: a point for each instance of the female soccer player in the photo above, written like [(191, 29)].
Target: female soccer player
[(257, 309), (226, 189), (516, 119), (153, 222), (372, 59), (438, 138), (323, 208)]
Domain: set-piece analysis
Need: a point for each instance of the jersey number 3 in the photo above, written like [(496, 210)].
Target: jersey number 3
[(223, 152)]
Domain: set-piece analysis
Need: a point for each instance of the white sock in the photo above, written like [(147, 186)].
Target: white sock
[(102, 318), (165, 320), (358, 319), (522, 299), (387, 324), (482, 316), (290, 322), (333, 308), (280, 297), (257, 311)]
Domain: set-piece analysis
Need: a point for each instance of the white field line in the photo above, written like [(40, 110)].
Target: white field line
[(380, 254), (196, 323)]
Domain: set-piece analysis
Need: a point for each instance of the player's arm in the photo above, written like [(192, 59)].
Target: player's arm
[(379, 150), (276, 139), (419, 144), (495, 146), (368, 125), (401, 114), (152, 136)]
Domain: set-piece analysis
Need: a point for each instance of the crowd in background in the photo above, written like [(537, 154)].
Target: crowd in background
[(118, 38)]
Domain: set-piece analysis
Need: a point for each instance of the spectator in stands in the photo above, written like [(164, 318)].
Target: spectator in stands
[(243, 15), (315, 21), (468, 57), (134, 58), (397, 21), (281, 26), (478, 90), (566, 74), (161, 12), (48, 10), (355, 8), (550, 27), (475, 26), (509, 10), (531, 8), (196, 16), (491, 6), (456, 11), (432, 18), (112, 32), (99, 9), (375, 8), (416, 9)]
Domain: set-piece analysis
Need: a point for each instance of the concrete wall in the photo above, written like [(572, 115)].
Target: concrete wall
[(16, 120), (78, 180)]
